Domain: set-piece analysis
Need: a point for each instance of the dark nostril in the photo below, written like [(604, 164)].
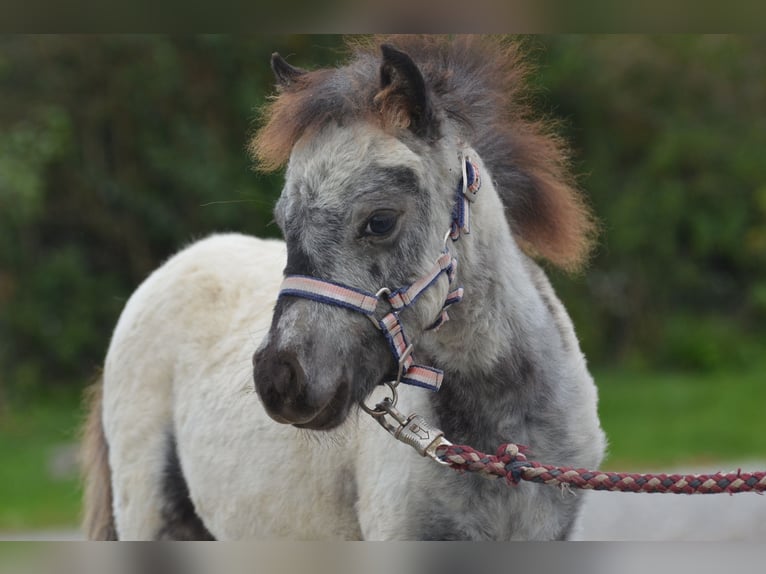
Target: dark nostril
[(280, 383), (291, 368), (287, 375), (280, 369)]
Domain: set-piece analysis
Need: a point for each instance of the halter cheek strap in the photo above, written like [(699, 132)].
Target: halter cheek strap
[(339, 295)]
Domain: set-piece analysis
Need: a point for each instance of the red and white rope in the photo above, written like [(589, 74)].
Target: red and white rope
[(511, 463)]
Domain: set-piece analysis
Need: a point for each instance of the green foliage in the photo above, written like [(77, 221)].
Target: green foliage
[(39, 485), (663, 420), (670, 133), (116, 151)]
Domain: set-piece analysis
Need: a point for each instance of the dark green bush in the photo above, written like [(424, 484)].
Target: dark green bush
[(669, 134), (116, 151)]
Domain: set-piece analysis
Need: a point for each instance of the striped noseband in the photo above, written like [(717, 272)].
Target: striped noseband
[(367, 303)]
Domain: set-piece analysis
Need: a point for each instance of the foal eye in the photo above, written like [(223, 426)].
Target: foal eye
[(381, 223)]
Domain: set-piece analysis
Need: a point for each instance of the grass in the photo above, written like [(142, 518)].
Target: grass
[(31, 494), (653, 421), (672, 419)]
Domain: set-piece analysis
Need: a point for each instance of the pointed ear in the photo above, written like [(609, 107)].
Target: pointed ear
[(403, 97), (284, 73)]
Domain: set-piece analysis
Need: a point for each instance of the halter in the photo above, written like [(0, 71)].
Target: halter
[(366, 303)]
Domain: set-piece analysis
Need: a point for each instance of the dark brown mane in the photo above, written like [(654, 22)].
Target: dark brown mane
[(479, 83)]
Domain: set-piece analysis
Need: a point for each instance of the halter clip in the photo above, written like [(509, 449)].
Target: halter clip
[(413, 430)]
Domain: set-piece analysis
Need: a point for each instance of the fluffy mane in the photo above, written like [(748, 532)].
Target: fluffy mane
[(478, 83)]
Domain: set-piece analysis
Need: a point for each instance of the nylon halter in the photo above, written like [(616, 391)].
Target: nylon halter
[(367, 303)]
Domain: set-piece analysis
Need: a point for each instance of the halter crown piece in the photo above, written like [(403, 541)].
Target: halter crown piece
[(365, 302)]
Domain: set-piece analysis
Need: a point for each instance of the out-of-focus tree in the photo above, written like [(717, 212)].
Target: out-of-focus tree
[(670, 134), (114, 152), (117, 151)]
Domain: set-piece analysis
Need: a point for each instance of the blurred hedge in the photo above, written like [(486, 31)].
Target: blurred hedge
[(116, 151), (670, 134)]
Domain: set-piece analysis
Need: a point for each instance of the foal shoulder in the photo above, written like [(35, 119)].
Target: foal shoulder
[(226, 256), (217, 273), (216, 265)]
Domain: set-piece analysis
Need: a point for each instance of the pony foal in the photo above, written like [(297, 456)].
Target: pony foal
[(414, 139)]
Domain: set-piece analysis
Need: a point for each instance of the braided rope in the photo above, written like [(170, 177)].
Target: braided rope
[(511, 463)]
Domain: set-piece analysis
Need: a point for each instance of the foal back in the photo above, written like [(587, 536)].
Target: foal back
[(136, 486)]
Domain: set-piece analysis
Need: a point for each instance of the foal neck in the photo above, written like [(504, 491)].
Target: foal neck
[(506, 343)]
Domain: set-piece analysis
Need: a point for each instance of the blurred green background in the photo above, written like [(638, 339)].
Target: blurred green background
[(117, 151)]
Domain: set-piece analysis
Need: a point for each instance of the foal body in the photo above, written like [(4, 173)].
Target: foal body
[(193, 452), (249, 477)]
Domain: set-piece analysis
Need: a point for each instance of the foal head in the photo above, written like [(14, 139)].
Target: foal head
[(375, 156)]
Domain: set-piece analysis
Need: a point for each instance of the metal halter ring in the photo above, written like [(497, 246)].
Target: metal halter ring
[(400, 367), (377, 410), (446, 238), (381, 292)]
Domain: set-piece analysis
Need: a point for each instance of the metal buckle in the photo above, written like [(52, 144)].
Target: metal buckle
[(373, 319), (467, 193), (463, 160), (378, 411), (412, 430), (402, 359)]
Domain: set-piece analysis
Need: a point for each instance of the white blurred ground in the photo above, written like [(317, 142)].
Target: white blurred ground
[(708, 517), (42, 535)]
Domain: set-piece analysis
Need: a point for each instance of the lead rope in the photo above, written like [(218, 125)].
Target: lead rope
[(511, 463)]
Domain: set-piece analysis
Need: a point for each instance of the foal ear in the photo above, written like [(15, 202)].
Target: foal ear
[(403, 97), (284, 73)]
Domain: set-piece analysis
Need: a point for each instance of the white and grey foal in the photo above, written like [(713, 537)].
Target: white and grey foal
[(379, 154)]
